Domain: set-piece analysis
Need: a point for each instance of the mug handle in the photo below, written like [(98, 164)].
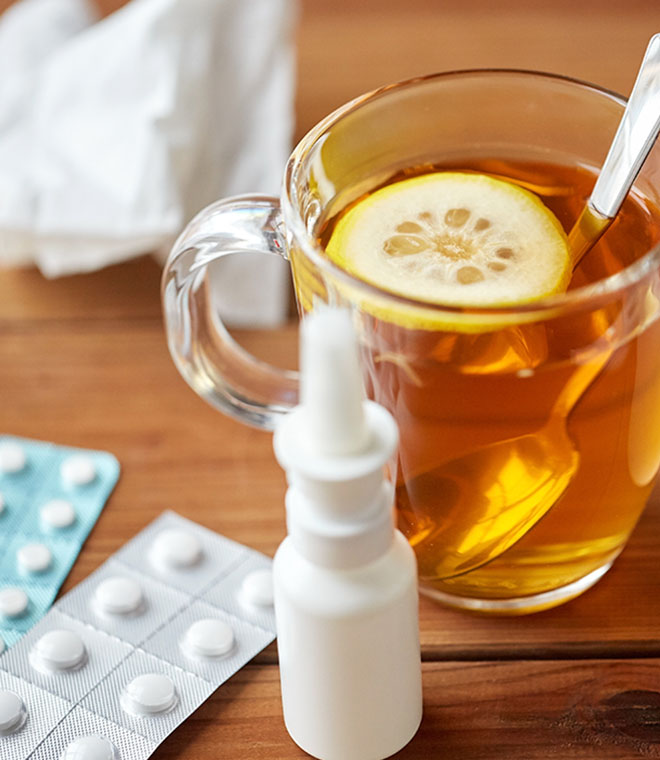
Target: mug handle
[(210, 360)]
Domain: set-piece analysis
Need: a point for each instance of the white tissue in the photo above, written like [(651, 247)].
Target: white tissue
[(114, 134)]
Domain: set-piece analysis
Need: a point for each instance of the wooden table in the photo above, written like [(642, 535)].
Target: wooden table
[(83, 362)]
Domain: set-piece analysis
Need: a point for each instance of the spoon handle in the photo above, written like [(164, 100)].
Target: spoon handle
[(634, 138)]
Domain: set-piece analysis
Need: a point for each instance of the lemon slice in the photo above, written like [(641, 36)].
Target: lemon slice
[(455, 239)]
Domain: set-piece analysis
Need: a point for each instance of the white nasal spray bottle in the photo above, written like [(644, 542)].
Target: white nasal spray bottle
[(346, 599)]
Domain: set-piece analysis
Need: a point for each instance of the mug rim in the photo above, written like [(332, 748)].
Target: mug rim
[(591, 294)]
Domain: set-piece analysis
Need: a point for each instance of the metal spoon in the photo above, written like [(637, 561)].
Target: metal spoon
[(494, 495), (632, 143)]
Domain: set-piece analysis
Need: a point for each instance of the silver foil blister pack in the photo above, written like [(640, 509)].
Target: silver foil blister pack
[(126, 656)]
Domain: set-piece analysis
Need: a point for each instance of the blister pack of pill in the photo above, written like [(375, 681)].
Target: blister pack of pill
[(122, 659), (50, 498)]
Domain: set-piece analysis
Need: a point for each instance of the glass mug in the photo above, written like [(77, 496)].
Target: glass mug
[(530, 435)]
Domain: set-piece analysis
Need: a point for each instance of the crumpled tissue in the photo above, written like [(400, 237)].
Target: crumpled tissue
[(115, 132)]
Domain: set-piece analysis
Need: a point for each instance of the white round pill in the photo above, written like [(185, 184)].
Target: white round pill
[(78, 470), (149, 694), (209, 637), (13, 602), (92, 747), (176, 549), (118, 596), (13, 712), (58, 650), (12, 457), (34, 558), (57, 514), (257, 588)]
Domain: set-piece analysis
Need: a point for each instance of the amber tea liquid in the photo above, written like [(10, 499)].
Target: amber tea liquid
[(527, 451)]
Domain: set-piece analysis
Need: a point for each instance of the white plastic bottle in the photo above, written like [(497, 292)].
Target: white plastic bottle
[(346, 598)]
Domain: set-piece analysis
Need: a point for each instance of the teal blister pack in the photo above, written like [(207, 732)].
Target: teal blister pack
[(50, 498)]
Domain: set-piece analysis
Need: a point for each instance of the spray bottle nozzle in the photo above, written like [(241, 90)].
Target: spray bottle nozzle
[(334, 447), (331, 390)]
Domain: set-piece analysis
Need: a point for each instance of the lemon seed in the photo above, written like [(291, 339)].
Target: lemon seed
[(404, 245), (468, 275), (456, 217), (409, 227)]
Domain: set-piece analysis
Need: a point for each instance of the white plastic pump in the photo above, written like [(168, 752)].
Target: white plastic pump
[(345, 580), (331, 386)]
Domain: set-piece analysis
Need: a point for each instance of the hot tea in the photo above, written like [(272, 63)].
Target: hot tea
[(509, 435), (527, 394)]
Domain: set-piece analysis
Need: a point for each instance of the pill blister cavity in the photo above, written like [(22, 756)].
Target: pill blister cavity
[(208, 638), (57, 514), (58, 650), (92, 747), (149, 694), (118, 596), (78, 470), (176, 550), (95, 635), (13, 602), (34, 558), (257, 588), (13, 712), (12, 457)]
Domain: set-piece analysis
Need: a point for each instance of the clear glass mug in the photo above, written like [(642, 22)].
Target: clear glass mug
[(530, 436)]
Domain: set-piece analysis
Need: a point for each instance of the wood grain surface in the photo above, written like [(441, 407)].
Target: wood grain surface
[(472, 711), (83, 361)]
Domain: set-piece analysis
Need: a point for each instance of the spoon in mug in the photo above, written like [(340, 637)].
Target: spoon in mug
[(495, 495), (634, 138)]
